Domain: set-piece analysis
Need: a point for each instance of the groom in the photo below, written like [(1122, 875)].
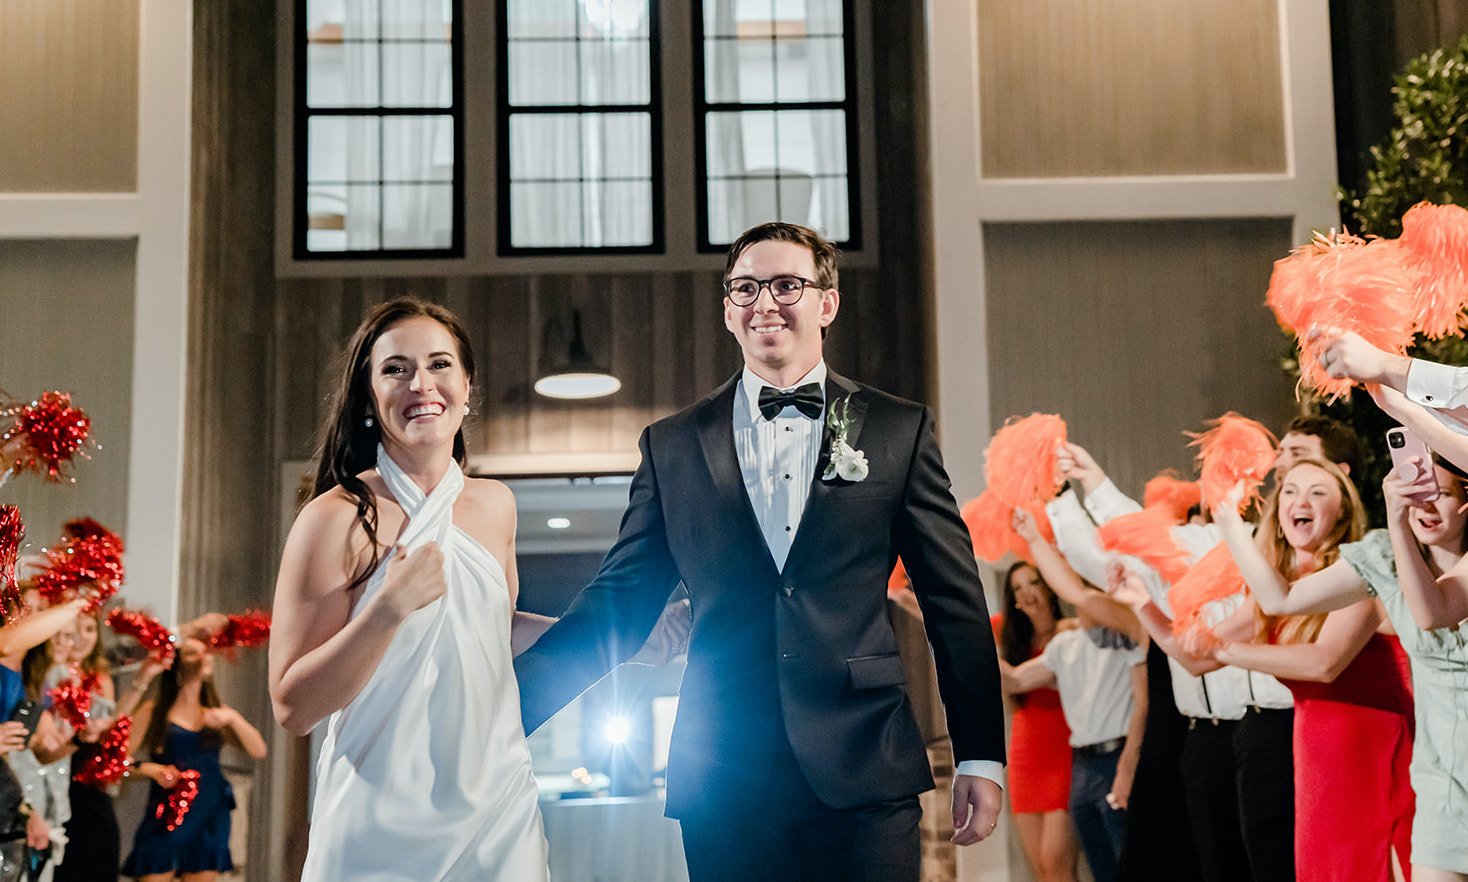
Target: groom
[(780, 501)]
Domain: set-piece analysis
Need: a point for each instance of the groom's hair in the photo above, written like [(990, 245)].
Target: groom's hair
[(822, 250)]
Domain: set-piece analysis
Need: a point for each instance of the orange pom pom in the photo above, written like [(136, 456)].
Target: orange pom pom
[(1214, 577), (1435, 241), (1235, 449), (1340, 280), (1146, 534), (1019, 465), (1171, 493), (987, 517), (898, 581)]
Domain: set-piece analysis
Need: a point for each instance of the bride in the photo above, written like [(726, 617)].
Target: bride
[(395, 618)]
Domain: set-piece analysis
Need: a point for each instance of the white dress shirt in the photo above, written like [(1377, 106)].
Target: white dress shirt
[(777, 459), (1441, 388), (1223, 694)]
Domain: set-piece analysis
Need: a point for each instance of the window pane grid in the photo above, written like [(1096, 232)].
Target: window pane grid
[(379, 128), (776, 115), (580, 167)]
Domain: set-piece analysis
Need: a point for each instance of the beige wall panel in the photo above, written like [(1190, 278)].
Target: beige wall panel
[(68, 95), (1135, 332), (1076, 88), (68, 325)]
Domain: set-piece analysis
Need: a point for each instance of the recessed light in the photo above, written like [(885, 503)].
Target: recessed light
[(558, 523)]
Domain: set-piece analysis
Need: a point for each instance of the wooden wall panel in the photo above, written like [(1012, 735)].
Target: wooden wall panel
[(1135, 332), (1077, 88), (68, 95), (68, 322)]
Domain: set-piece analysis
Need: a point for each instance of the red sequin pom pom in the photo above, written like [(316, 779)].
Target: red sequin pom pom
[(180, 800), (54, 432), (156, 639), (111, 761), (89, 561)]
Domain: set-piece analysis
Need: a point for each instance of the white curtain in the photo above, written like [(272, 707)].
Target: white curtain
[(560, 165), (399, 148), (791, 145)]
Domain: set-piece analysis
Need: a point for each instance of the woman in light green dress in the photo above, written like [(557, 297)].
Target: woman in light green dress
[(1399, 566)]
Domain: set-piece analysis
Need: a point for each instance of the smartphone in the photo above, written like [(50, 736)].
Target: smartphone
[(1404, 447), (28, 713)]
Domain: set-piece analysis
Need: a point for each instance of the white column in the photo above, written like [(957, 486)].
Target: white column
[(160, 336)]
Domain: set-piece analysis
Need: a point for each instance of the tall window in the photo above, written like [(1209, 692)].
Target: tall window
[(379, 123), (776, 116), (580, 137)]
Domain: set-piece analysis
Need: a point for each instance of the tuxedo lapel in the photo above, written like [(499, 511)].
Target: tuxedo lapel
[(843, 391), (716, 437)]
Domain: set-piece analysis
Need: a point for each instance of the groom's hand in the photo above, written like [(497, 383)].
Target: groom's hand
[(976, 803)]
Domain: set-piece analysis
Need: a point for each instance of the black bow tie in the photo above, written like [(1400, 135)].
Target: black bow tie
[(807, 399)]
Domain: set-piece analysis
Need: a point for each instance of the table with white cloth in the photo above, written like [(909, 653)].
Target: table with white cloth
[(613, 839)]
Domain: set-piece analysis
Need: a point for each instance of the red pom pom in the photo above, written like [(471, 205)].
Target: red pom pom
[(1214, 577), (12, 533), (156, 639), (1435, 241), (247, 629), (1235, 449), (72, 701), (54, 432), (180, 800), (111, 761), (1171, 493), (1147, 534), (89, 562), (1347, 282), (1019, 465)]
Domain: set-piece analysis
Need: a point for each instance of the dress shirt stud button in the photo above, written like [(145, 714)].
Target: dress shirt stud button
[(789, 429), (787, 477), (787, 529)]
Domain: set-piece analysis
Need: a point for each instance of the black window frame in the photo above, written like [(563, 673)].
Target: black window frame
[(302, 115), (503, 113), (850, 105)]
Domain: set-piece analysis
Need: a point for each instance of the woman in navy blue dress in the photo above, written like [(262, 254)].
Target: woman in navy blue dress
[(186, 728)]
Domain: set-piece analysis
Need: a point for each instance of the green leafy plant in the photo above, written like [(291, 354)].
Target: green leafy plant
[(1424, 158)]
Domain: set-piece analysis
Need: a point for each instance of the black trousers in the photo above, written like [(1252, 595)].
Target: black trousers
[(1264, 753), (1210, 785), (1159, 838), (777, 830)]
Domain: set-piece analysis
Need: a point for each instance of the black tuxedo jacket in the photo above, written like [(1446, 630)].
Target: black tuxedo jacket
[(805, 657)]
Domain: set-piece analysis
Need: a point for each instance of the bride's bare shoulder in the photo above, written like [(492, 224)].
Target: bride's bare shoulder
[(489, 496)]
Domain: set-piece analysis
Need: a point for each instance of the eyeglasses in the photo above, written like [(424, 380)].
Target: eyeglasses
[(787, 290)]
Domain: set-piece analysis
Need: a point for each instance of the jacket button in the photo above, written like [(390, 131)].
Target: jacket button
[(789, 590)]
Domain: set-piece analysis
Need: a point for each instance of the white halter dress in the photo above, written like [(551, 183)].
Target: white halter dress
[(425, 776)]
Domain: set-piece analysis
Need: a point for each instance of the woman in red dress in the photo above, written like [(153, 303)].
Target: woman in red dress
[(1354, 721), (1039, 740)]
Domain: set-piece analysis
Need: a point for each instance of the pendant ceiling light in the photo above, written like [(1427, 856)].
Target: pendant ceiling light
[(579, 376)]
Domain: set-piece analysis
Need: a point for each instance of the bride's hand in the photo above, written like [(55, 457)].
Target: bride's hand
[(669, 638), (413, 580)]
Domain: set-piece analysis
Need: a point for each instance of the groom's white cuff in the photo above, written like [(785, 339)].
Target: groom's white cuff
[(982, 769)]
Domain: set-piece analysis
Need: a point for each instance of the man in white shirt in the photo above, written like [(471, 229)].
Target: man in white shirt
[(781, 501)]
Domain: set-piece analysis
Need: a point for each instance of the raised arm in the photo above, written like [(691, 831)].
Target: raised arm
[(1127, 587), (1032, 675), (1068, 586), (319, 659), (1434, 602), (1341, 638), (19, 636)]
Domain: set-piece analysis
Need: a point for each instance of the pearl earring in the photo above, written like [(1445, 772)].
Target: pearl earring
[(368, 422), (466, 410)]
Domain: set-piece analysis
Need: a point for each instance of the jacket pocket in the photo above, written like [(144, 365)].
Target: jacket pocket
[(875, 671)]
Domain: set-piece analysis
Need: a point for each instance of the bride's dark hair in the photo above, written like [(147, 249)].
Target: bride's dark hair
[(347, 446)]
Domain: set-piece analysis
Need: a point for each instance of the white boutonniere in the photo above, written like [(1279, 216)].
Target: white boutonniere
[(846, 463)]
